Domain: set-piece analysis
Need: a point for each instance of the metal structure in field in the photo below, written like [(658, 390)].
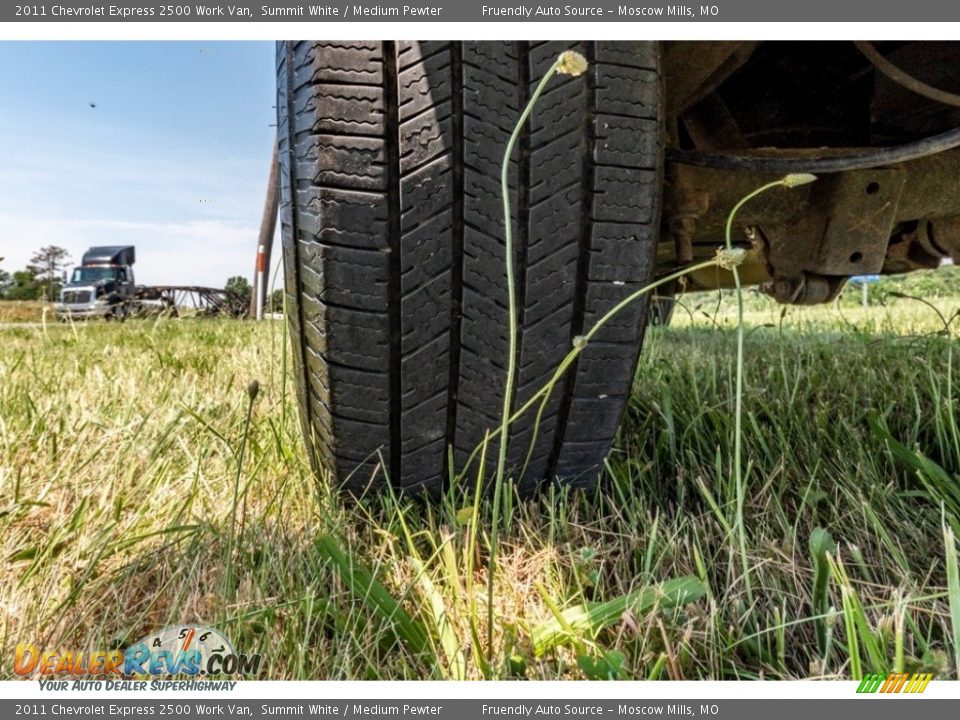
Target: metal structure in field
[(191, 300)]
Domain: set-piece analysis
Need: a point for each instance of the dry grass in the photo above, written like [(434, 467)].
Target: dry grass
[(23, 310)]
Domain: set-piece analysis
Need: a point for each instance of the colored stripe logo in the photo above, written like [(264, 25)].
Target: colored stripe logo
[(894, 683)]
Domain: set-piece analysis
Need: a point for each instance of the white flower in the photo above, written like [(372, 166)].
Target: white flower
[(572, 63), (729, 259), (797, 179)]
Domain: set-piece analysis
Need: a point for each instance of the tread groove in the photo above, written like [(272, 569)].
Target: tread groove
[(391, 111), (583, 267), (456, 278), (292, 180)]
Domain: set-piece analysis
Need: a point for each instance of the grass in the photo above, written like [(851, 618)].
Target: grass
[(119, 450), (22, 310)]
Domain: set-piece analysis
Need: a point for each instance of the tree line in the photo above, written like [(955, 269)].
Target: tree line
[(40, 279), (241, 286)]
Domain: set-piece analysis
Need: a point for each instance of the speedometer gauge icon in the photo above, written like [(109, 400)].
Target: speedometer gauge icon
[(178, 649)]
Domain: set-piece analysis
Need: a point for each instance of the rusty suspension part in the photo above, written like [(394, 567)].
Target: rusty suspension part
[(806, 242)]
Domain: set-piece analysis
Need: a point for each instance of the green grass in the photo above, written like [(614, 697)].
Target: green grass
[(119, 450)]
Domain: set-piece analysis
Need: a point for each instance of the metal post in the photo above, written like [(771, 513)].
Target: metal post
[(268, 224), (261, 281)]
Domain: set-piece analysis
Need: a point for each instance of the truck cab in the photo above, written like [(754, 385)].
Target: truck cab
[(102, 286)]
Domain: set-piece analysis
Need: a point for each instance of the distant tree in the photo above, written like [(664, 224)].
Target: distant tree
[(46, 264), (23, 286), (6, 280), (275, 302), (241, 286)]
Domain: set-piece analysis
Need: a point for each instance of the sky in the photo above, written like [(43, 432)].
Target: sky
[(173, 158)]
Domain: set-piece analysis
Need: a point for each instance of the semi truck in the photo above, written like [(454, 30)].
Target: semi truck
[(102, 286)]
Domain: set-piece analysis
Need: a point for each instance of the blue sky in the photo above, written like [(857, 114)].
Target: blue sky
[(173, 158)]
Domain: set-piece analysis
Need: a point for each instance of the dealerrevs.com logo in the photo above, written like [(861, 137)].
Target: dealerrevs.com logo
[(186, 650)]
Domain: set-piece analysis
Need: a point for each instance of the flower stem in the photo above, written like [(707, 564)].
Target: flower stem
[(512, 345), (738, 408)]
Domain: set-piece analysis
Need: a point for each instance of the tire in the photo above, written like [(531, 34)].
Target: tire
[(393, 248)]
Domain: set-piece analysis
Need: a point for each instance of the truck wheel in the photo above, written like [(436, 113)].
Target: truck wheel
[(394, 255)]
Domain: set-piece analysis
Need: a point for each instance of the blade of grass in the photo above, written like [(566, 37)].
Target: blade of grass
[(855, 620), (821, 545), (375, 596), (585, 621), (455, 667), (953, 590)]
